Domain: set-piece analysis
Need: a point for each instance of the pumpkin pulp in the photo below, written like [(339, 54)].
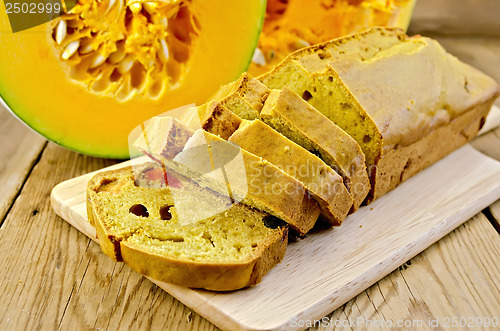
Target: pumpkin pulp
[(86, 79)]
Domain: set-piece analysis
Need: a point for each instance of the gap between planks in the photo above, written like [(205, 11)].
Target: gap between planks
[(97, 292), (53, 276), (454, 277), (493, 215), (21, 150), (18, 189)]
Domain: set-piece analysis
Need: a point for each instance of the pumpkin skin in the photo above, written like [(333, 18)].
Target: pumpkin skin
[(39, 88), (294, 24)]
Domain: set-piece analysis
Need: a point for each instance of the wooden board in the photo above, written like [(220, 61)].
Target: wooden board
[(329, 267)]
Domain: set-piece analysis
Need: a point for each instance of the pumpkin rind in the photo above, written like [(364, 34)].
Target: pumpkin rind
[(36, 83)]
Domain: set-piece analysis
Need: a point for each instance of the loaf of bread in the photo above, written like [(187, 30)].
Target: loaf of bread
[(340, 151), (325, 185), (222, 166), (223, 121), (361, 114), (137, 221), (404, 100)]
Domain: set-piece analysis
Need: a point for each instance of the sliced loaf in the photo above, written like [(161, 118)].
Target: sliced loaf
[(322, 181), (387, 91), (222, 166), (298, 121), (137, 222), (244, 97)]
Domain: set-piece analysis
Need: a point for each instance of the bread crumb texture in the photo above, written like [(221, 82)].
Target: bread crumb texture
[(146, 216)]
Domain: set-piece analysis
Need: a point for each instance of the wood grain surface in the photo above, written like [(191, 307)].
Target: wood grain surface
[(493, 214), (57, 280), (328, 268), (20, 150), (51, 276)]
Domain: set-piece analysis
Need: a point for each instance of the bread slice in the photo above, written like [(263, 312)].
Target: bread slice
[(137, 221), (217, 119), (245, 97), (307, 73), (343, 154), (289, 114), (217, 164), (386, 90), (169, 140), (325, 185)]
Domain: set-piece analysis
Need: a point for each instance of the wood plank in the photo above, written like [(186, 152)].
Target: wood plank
[(341, 313), (54, 277), (457, 276), (464, 17), (489, 144), (73, 294), (494, 215), (441, 199), (20, 150), (72, 256), (422, 288), (71, 286)]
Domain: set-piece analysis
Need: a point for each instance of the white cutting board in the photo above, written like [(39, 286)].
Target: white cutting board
[(328, 268)]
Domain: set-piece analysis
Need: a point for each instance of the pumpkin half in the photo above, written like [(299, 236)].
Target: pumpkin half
[(87, 78), (293, 24)]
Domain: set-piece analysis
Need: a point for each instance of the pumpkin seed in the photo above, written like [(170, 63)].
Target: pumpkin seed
[(163, 54), (86, 47), (301, 43), (118, 55), (258, 57), (125, 65), (97, 60), (164, 21), (110, 5), (150, 7), (135, 8), (61, 31), (70, 49)]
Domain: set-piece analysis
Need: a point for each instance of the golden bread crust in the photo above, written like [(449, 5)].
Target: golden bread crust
[(260, 184), (285, 111), (387, 90), (209, 276), (325, 184), (128, 245), (398, 165)]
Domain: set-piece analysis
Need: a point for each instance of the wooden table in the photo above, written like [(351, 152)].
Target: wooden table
[(51, 276)]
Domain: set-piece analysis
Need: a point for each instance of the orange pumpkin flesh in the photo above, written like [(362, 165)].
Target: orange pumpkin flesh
[(294, 24), (89, 95)]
